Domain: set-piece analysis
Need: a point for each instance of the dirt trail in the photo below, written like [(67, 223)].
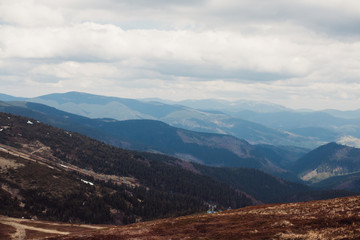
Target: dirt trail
[(40, 150), (20, 231), (22, 227), (76, 225)]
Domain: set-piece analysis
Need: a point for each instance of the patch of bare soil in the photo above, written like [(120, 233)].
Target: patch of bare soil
[(6, 164), (13, 228), (330, 219), (6, 231)]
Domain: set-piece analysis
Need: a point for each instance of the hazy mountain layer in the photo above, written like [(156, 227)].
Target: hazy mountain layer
[(154, 136), (318, 126), (95, 106)]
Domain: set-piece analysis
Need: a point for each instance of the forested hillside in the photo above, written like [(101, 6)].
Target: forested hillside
[(54, 174), (126, 183), (326, 161), (155, 136)]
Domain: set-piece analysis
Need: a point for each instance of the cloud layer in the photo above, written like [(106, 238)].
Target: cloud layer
[(296, 53)]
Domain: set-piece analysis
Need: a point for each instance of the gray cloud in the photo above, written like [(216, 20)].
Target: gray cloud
[(293, 52)]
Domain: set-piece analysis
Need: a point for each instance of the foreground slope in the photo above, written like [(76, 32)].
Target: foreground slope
[(331, 219)]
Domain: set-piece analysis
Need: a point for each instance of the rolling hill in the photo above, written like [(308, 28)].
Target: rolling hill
[(256, 122), (50, 173), (349, 182), (204, 148), (154, 136), (320, 126), (329, 160), (96, 106)]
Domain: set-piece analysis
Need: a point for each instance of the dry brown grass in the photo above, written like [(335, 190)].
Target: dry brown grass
[(330, 219)]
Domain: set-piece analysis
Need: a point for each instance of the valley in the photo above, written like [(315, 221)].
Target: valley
[(155, 136), (210, 149), (136, 171), (165, 120), (54, 174)]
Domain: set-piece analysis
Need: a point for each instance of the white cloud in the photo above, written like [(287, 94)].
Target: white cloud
[(349, 141), (29, 13), (298, 53), (77, 70), (223, 50)]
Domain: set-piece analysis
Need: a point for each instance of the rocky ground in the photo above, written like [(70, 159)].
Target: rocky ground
[(330, 219)]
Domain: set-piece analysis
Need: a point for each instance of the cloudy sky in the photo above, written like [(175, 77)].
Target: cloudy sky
[(300, 53)]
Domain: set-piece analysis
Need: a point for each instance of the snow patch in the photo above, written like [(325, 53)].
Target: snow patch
[(68, 133), (90, 183)]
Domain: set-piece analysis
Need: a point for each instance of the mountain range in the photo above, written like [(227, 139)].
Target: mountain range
[(318, 126), (54, 174), (256, 122), (205, 148), (155, 136), (95, 106)]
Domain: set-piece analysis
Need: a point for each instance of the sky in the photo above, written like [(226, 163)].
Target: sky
[(299, 53)]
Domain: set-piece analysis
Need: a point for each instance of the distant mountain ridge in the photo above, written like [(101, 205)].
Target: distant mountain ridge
[(234, 106), (95, 106), (354, 114), (204, 148), (256, 122), (5, 97), (319, 126), (154, 136)]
